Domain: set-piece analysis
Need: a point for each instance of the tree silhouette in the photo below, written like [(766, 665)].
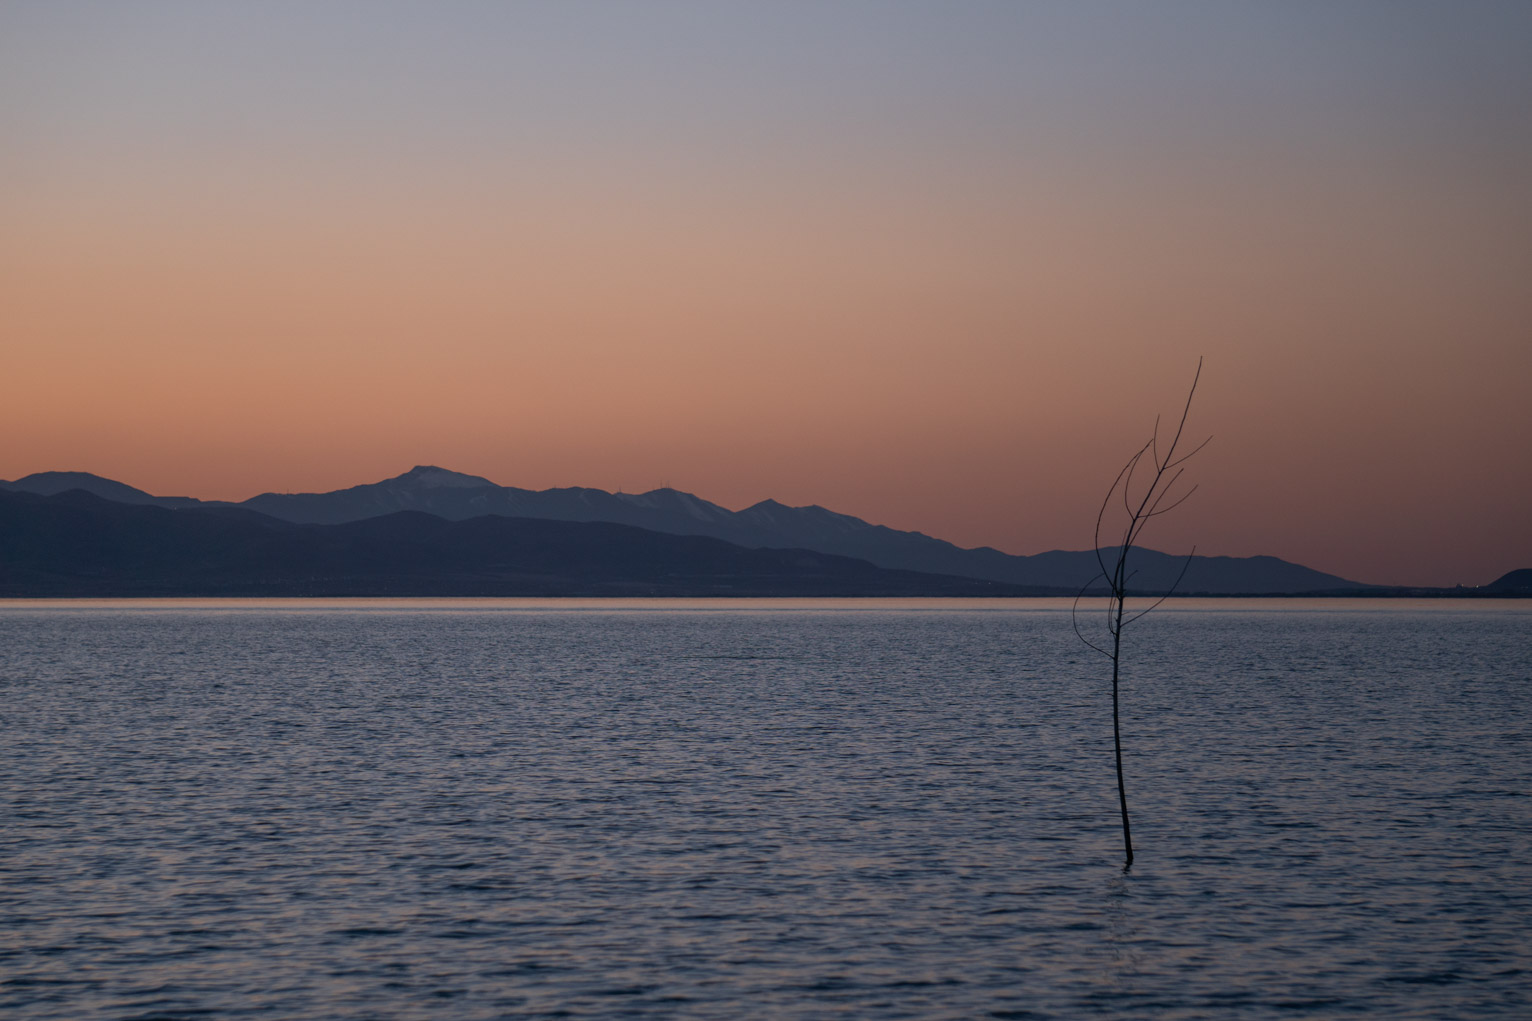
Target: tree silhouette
[(1139, 511)]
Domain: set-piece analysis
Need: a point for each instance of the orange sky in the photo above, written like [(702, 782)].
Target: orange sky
[(891, 275)]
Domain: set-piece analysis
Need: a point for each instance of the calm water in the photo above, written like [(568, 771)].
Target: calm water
[(720, 810)]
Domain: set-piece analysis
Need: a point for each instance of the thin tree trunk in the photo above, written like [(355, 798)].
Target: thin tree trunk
[(1122, 794)]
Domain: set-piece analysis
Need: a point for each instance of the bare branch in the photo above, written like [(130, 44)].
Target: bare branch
[(1187, 457), (1141, 521), (1167, 510), (1075, 620), (1132, 467), (1185, 410), (1101, 514), (1135, 515), (1168, 592), (1166, 488)]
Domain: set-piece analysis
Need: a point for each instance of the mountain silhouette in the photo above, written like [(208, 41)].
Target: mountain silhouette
[(1517, 582), (766, 525), (52, 483), (77, 544)]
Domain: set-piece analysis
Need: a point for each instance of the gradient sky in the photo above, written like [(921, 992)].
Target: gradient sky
[(937, 265)]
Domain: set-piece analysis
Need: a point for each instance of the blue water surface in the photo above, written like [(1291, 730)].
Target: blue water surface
[(862, 809)]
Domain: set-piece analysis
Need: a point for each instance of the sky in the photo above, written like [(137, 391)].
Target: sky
[(938, 265)]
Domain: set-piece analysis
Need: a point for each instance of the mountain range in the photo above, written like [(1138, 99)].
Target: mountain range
[(78, 544), (454, 497)]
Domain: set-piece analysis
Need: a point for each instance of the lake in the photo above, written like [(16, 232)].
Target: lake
[(786, 809)]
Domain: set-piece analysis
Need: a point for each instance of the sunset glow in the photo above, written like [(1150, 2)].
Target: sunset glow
[(936, 266)]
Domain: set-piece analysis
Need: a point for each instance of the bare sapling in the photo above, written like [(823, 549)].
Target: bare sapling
[(1149, 479)]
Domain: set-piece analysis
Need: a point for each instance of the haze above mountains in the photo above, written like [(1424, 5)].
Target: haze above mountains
[(769, 525)]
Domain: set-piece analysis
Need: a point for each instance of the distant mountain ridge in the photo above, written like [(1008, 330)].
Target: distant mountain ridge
[(1517, 582), (76, 544), (456, 496), (53, 483)]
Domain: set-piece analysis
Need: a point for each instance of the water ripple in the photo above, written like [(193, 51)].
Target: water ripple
[(311, 812)]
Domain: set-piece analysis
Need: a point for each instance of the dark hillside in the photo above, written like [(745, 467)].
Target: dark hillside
[(76, 544)]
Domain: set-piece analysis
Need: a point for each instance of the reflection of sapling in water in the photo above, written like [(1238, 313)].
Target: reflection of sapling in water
[(1138, 511)]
